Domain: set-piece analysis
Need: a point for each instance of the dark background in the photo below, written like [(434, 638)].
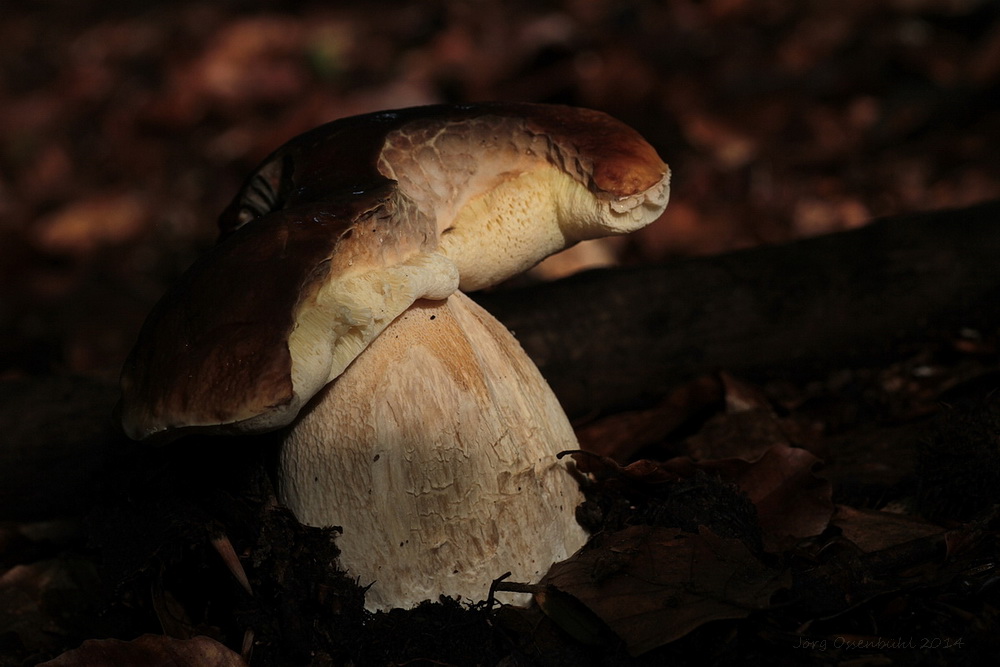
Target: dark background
[(126, 127)]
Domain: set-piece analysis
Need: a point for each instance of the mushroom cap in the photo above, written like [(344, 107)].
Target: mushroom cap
[(343, 228), (272, 313), (506, 184)]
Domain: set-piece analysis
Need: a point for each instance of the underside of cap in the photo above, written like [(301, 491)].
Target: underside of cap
[(518, 182), (347, 314), (526, 217)]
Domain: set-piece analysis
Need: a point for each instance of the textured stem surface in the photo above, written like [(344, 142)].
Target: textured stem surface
[(435, 451)]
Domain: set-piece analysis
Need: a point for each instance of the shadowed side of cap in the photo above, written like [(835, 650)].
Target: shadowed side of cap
[(214, 350)]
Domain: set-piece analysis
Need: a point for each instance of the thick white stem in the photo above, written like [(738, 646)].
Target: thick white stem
[(435, 451)]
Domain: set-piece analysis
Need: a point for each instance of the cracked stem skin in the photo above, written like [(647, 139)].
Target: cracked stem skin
[(444, 475)]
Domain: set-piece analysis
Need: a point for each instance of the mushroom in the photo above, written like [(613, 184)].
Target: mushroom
[(332, 308)]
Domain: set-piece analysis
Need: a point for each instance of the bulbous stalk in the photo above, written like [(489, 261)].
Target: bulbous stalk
[(436, 453)]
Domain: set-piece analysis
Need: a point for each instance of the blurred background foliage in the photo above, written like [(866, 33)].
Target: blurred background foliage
[(126, 127)]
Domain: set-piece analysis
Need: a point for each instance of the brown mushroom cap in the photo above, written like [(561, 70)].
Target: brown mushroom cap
[(259, 323), (610, 158), (344, 227), (506, 184)]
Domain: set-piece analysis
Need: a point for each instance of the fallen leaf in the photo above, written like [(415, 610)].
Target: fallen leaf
[(747, 428), (45, 603), (84, 226), (621, 435), (792, 503), (744, 434), (149, 651), (872, 530), (653, 585)]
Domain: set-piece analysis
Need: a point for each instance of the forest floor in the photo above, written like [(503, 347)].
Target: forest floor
[(126, 128)]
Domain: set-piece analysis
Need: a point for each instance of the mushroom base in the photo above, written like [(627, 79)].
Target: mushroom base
[(436, 453)]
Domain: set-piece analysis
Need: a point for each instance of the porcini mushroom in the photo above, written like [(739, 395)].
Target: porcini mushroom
[(331, 307)]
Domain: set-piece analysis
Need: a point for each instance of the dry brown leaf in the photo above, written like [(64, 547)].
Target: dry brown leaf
[(748, 427), (872, 530), (83, 226), (653, 585), (744, 434), (149, 651), (792, 503), (44, 602), (621, 435)]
